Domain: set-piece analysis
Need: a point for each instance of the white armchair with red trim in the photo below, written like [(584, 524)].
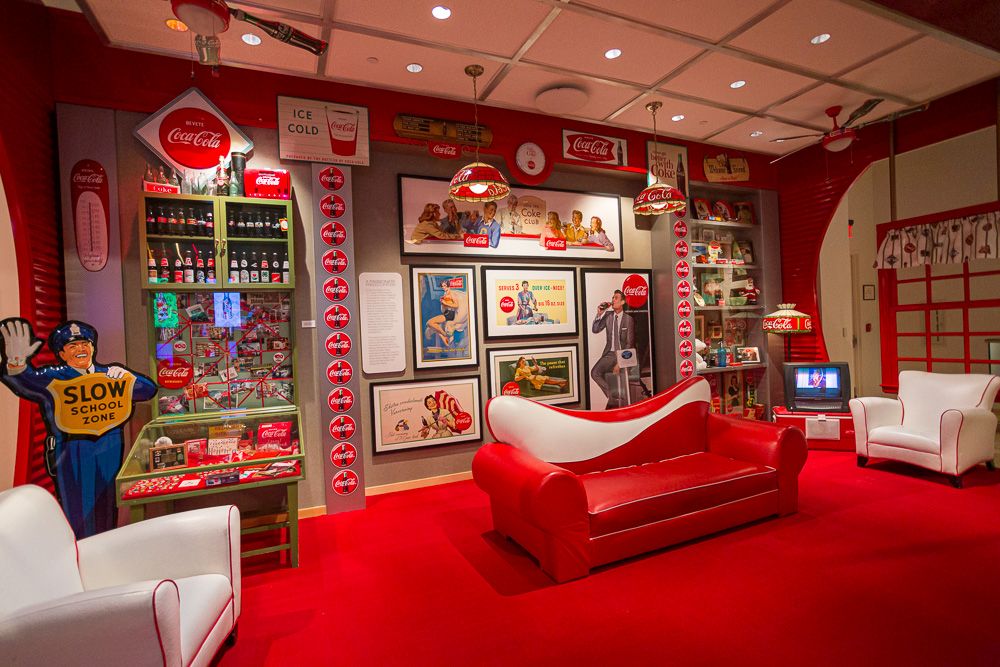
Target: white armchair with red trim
[(941, 421), (160, 592)]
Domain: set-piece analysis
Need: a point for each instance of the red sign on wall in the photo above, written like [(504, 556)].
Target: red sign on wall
[(594, 148), (88, 187)]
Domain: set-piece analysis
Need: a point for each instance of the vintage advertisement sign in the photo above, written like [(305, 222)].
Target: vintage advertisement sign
[(598, 148), (724, 169), (544, 374), (410, 415), (88, 183), (528, 302), (319, 131), (191, 134), (92, 404), (669, 164), (437, 131)]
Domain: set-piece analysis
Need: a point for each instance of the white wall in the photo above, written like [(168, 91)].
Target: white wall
[(10, 306)]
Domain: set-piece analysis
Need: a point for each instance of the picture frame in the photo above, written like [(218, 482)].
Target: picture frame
[(403, 417), (731, 393), (699, 327), (714, 332), (634, 379), (748, 355), (444, 316), (744, 212), (167, 457), (520, 229), (547, 375), (868, 292), (723, 210), (546, 307), (702, 208)]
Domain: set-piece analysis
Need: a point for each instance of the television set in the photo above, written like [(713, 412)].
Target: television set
[(817, 387)]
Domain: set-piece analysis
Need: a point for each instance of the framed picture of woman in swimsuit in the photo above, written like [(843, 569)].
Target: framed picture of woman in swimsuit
[(528, 301), (445, 332), (544, 374)]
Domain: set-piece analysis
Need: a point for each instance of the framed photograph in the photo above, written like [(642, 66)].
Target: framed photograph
[(168, 457), (443, 303), (544, 374), (618, 349), (714, 332), (743, 252), (868, 292), (748, 355), (528, 301), (732, 393), (744, 212), (707, 235), (412, 415), (530, 222), (702, 208)]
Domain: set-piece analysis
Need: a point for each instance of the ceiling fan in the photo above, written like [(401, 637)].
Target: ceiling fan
[(209, 18), (842, 136)]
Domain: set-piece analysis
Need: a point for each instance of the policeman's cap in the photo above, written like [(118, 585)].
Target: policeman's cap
[(69, 332)]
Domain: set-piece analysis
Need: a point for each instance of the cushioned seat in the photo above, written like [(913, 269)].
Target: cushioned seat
[(897, 436), (620, 499)]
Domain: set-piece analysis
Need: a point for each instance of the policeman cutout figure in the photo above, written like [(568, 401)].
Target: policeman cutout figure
[(85, 406)]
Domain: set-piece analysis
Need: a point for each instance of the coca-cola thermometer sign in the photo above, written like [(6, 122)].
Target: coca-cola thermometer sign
[(88, 186), (190, 134)]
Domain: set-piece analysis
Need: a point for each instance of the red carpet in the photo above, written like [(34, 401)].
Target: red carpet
[(881, 566)]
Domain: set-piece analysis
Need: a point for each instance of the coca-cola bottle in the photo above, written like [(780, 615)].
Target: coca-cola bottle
[(276, 227), (172, 226), (231, 224), (164, 265), (681, 179), (150, 220), (201, 223), (258, 224), (284, 269), (161, 222), (254, 268), (199, 270), (269, 225), (265, 269), (192, 223), (151, 270), (178, 269), (241, 226), (209, 224), (210, 272), (275, 269), (283, 32), (244, 268), (234, 269), (188, 267)]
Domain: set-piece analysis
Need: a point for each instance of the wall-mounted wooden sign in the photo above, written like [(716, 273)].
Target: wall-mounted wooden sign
[(724, 169), (434, 129)]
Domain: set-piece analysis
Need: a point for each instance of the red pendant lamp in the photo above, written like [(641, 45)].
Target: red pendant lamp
[(658, 198), (478, 182)]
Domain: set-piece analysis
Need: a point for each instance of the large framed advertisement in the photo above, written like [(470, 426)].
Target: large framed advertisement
[(444, 316), (530, 222), (412, 415), (618, 344), (528, 301), (544, 374)]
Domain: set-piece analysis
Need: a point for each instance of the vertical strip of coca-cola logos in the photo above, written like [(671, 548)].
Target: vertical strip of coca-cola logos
[(684, 287), (337, 333)]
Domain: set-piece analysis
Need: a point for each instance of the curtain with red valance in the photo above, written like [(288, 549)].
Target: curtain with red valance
[(952, 240)]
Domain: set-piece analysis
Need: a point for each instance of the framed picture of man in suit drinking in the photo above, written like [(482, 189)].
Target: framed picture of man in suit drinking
[(618, 338)]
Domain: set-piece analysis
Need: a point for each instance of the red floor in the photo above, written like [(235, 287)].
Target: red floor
[(882, 566)]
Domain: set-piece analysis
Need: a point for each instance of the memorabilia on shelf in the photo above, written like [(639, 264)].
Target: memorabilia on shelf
[(711, 287), (702, 208), (167, 456), (742, 252), (544, 374), (528, 301), (744, 212), (411, 415), (708, 235), (750, 292), (748, 355), (699, 300), (715, 405), (715, 253), (732, 393), (723, 211), (699, 252), (445, 331)]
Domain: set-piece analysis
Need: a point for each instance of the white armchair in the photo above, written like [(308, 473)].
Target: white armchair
[(941, 421), (160, 592)]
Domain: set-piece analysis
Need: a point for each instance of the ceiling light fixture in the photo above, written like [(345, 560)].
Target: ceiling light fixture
[(478, 182), (441, 13), (677, 118), (176, 24), (739, 83), (756, 133), (414, 68), (657, 198), (251, 39), (819, 39), (611, 54)]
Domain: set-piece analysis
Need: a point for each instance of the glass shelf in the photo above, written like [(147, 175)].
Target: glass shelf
[(724, 266), (724, 369), (722, 223)]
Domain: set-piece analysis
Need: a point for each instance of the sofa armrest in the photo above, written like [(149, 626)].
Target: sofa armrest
[(134, 624), (543, 494), (871, 412), (202, 541), (968, 438)]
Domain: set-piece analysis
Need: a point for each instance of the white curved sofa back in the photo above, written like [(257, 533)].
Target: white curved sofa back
[(925, 396)]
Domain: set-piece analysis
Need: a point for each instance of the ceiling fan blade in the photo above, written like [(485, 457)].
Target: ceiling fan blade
[(798, 136), (782, 157), (894, 116), (863, 110), (282, 32)]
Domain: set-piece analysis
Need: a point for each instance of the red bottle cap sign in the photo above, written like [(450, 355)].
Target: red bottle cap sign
[(345, 482), (339, 372), (332, 206), (463, 421), (683, 289), (337, 316), (683, 269), (331, 178), (335, 261), (680, 229), (507, 304), (687, 368), (333, 233), (338, 344), (681, 249), (194, 137), (636, 291), (343, 455), (343, 427), (340, 399), (684, 309), (686, 347), (511, 389), (174, 373), (336, 289), (684, 328)]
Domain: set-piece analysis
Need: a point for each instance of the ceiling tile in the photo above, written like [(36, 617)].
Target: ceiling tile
[(699, 120), (577, 42), (738, 136), (482, 26), (523, 83), (443, 74), (141, 23), (709, 78), (810, 106), (926, 69), (709, 19)]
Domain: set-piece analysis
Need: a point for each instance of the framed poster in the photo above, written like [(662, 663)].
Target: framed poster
[(444, 316), (618, 344), (528, 301), (411, 415), (544, 374), (530, 222)]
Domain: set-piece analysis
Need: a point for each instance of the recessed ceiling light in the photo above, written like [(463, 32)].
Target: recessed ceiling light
[(415, 68), (678, 117), (611, 54), (371, 60), (441, 12), (779, 141), (819, 39), (176, 24), (756, 133), (739, 83), (251, 39)]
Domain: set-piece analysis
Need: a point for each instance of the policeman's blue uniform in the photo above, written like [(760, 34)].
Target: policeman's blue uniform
[(85, 466)]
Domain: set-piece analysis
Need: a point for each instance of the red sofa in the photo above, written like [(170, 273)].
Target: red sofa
[(580, 489)]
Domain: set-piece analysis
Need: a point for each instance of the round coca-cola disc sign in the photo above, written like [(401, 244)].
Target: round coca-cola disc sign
[(343, 455), (194, 137), (636, 291), (174, 373), (345, 482)]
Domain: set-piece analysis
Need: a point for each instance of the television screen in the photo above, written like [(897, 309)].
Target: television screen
[(817, 386)]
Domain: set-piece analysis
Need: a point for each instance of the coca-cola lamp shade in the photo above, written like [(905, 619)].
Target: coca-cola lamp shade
[(787, 321), (658, 198), (204, 17), (478, 182)]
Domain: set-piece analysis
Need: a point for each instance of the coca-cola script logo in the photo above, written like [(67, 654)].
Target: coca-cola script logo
[(333, 233), (340, 399), (591, 147), (174, 373), (345, 482), (683, 289), (335, 261), (444, 151), (463, 421), (684, 309), (331, 178), (194, 137), (336, 289), (683, 269), (680, 229), (343, 455), (88, 177), (511, 389), (476, 241), (338, 344), (684, 329), (337, 316), (681, 249), (343, 427), (555, 244), (686, 348), (332, 206), (507, 304), (788, 324), (636, 291), (687, 368), (339, 372)]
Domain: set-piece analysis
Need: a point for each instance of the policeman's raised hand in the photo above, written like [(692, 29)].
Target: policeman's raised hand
[(116, 372), (19, 342)]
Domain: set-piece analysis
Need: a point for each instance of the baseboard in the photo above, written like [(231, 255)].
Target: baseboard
[(320, 510)]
